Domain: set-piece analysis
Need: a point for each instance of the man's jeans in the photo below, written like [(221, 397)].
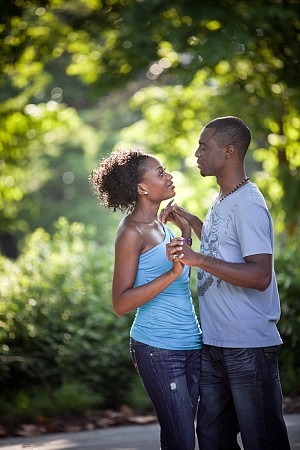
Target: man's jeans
[(240, 391), (171, 378)]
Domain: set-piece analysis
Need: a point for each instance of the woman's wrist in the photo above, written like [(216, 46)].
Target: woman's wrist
[(187, 240), (173, 274), (186, 235)]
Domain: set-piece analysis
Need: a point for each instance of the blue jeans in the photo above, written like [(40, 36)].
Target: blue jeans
[(240, 391), (171, 378)]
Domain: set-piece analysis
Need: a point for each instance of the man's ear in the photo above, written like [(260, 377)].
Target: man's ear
[(141, 190), (229, 151)]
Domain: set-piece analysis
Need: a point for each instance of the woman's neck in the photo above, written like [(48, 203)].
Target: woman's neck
[(147, 215)]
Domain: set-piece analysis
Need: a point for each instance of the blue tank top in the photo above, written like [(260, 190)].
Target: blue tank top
[(168, 320)]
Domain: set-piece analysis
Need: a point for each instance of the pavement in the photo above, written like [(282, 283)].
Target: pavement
[(131, 437)]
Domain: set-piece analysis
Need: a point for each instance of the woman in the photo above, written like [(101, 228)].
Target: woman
[(165, 338)]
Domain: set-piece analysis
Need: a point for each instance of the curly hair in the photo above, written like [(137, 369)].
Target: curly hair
[(116, 178)]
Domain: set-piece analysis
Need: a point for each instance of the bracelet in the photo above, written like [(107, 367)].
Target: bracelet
[(188, 241)]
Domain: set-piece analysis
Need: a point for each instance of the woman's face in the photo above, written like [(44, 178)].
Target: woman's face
[(156, 181)]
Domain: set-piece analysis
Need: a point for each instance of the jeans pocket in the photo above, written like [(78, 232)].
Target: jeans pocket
[(272, 360)]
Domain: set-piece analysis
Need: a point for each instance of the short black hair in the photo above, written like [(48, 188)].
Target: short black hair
[(116, 178), (231, 130)]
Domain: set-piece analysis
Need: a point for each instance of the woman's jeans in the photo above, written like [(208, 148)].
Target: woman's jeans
[(240, 391), (171, 378)]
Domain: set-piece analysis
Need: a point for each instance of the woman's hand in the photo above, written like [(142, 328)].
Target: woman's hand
[(174, 256), (174, 250), (177, 268)]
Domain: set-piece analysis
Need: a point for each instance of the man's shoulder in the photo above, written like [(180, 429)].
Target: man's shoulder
[(251, 196)]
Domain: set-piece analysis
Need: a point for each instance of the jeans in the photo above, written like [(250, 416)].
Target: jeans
[(240, 391), (171, 378)]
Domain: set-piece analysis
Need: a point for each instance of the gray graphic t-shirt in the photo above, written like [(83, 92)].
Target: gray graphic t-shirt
[(233, 316)]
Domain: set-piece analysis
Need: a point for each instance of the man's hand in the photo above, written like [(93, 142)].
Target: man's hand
[(178, 250), (166, 212), (171, 213), (178, 215)]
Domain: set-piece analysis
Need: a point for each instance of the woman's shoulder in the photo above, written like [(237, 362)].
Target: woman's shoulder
[(128, 229)]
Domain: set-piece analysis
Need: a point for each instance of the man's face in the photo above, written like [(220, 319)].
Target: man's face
[(210, 156)]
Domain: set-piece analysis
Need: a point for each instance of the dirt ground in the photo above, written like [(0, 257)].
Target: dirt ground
[(95, 420)]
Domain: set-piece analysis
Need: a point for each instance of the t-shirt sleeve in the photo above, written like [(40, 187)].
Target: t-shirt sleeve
[(255, 231)]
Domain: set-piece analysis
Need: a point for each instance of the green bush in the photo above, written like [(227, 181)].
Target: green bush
[(73, 398), (137, 397), (56, 320), (63, 350), (287, 266), (70, 398)]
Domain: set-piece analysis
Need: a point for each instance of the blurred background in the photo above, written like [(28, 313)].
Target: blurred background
[(79, 79)]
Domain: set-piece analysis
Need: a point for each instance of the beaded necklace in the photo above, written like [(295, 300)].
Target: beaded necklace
[(235, 189)]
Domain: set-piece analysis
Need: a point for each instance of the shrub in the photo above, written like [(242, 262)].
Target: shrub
[(62, 349), (287, 266), (56, 320), (70, 398)]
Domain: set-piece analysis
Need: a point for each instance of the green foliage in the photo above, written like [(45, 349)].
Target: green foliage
[(69, 398), (173, 116), (229, 57), (74, 398), (287, 265), (137, 397), (179, 64), (27, 139), (56, 320), (63, 351)]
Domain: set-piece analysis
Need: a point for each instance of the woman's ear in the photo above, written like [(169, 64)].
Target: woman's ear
[(141, 191)]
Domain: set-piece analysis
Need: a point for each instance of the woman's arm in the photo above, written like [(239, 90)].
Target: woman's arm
[(128, 246)]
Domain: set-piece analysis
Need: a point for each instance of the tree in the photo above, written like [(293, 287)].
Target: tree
[(239, 56)]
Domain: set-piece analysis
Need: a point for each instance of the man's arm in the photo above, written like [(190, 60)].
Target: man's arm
[(254, 273)]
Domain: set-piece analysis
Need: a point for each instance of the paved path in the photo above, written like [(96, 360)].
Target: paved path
[(137, 437)]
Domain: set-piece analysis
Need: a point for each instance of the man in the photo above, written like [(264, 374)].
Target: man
[(239, 303)]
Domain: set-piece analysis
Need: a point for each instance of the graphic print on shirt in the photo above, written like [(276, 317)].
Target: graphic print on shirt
[(209, 246)]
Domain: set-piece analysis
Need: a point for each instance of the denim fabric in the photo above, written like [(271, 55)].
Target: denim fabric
[(171, 378), (240, 391)]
